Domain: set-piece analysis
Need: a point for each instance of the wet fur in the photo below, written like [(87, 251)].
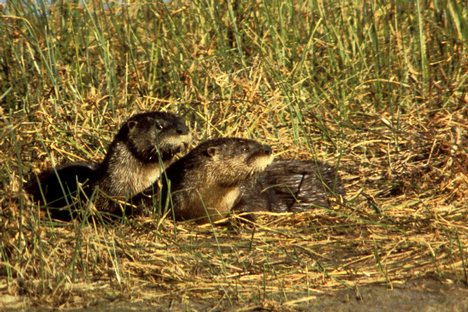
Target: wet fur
[(291, 185)]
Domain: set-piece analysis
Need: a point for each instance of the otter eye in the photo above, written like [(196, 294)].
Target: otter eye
[(159, 126), (244, 149)]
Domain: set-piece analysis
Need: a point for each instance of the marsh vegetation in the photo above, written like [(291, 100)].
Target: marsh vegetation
[(376, 88)]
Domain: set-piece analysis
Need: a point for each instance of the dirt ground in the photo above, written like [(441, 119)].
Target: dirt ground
[(419, 295), (426, 294)]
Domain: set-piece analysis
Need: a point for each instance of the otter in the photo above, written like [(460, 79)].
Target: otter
[(290, 185), (60, 188), (205, 184), (143, 147)]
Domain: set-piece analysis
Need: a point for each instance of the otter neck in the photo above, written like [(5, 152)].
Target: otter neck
[(124, 174)]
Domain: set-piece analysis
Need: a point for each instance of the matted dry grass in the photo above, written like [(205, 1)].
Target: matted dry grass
[(377, 88), (405, 218)]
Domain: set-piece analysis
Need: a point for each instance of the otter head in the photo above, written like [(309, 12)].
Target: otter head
[(155, 136), (232, 160)]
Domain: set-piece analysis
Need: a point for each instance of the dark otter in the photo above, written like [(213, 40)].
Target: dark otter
[(290, 185), (144, 146), (205, 184), (60, 188)]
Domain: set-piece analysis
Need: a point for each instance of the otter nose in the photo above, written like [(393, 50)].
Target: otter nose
[(181, 129), (267, 149)]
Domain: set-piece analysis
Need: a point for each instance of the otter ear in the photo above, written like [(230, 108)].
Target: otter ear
[(212, 151), (131, 124)]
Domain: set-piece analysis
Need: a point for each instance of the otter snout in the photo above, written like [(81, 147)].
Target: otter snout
[(267, 149), (182, 129)]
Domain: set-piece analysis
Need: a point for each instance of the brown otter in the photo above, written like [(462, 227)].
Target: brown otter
[(290, 185), (204, 185), (143, 147)]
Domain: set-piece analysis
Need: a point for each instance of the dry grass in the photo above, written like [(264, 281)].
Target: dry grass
[(405, 218), (398, 133)]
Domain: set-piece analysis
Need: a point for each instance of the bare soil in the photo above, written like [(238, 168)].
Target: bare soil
[(424, 294)]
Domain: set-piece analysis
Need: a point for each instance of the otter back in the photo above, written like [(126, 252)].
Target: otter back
[(291, 185), (61, 187)]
